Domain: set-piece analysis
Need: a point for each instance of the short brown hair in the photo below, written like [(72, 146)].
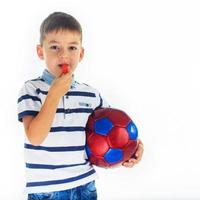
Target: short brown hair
[(59, 21)]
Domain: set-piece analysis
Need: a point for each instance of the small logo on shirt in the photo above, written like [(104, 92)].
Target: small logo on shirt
[(85, 104)]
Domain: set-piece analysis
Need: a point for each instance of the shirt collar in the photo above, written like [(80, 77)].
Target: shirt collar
[(49, 78)]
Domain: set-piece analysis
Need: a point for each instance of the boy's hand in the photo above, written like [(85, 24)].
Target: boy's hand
[(137, 157), (62, 84)]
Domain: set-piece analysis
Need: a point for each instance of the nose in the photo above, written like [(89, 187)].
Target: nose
[(63, 53)]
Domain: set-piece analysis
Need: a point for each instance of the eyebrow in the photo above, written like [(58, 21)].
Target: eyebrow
[(54, 41)]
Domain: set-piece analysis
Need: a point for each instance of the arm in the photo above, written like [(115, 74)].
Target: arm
[(37, 128)]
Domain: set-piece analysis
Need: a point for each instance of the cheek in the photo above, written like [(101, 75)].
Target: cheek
[(77, 58), (74, 59), (50, 58)]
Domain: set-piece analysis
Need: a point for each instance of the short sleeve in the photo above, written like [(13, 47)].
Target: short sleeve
[(102, 103), (29, 102)]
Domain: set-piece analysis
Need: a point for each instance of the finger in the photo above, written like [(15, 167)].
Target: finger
[(139, 142), (139, 150), (66, 76), (69, 73), (138, 154), (139, 157), (133, 160), (128, 164), (125, 164)]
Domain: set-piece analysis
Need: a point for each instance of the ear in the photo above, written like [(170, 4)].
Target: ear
[(40, 52), (81, 54)]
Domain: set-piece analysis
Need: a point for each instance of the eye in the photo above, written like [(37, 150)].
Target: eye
[(54, 47), (73, 48)]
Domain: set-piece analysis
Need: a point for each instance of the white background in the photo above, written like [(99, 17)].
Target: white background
[(144, 57)]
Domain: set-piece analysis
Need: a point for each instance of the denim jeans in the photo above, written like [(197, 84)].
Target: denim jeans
[(83, 192)]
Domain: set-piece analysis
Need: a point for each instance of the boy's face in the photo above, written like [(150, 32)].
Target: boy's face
[(61, 47)]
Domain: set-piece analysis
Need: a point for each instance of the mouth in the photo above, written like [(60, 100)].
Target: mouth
[(60, 65)]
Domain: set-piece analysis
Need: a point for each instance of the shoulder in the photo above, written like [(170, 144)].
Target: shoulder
[(37, 82), (86, 88), (32, 85)]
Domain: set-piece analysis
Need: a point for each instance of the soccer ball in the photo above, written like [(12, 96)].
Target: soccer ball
[(111, 137)]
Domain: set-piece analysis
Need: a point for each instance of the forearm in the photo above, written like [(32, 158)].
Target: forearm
[(41, 124)]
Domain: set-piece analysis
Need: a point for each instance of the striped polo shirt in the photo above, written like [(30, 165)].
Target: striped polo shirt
[(60, 161)]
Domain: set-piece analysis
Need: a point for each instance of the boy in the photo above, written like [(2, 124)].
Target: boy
[(54, 109)]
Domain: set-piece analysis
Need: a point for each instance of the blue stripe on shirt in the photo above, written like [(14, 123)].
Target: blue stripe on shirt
[(25, 113), (38, 90), (54, 149), (38, 79), (75, 110), (68, 128), (59, 110), (70, 93), (42, 166), (27, 96), (55, 182), (77, 93)]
